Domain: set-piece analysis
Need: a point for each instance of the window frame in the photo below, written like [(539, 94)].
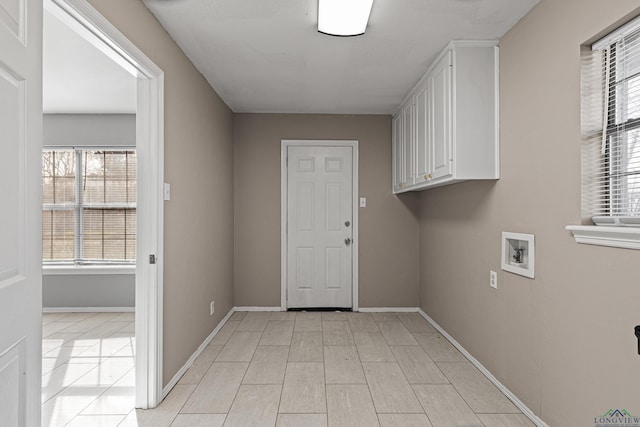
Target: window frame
[(611, 230), (616, 137), (79, 264)]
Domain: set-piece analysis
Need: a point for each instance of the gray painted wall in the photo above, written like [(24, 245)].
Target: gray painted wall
[(198, 225), (83, 130), (562, 342), (388, 230), (89, 290)]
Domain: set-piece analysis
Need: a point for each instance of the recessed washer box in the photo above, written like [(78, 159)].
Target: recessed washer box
[(518, 253)]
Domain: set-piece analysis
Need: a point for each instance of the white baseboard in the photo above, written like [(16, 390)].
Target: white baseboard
[(388, 309), (512, 397), (258, 309), (361, 309), (88, 309), (194, 356)]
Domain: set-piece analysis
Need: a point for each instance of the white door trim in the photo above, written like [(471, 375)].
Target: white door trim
[(90, 24), (286, 143)]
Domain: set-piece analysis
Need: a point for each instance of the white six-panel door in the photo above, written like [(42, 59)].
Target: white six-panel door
[(319, 226), (20, 211)]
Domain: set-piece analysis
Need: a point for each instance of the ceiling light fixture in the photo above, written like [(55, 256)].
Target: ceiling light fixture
[(343, 17)]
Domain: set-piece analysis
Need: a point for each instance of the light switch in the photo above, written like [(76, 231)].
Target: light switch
[(167, 191), (363, 202)]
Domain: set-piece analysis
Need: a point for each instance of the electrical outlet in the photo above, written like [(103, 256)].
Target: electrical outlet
[(493, 279), (212, 308)]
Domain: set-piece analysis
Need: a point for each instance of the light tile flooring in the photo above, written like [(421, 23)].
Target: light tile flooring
[(87, 368), (300, 369)]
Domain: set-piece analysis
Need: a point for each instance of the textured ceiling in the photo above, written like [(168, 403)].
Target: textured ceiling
[(267, 56)]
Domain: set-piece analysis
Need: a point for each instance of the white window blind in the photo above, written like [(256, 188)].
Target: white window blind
[(89, 206), (611, 128)]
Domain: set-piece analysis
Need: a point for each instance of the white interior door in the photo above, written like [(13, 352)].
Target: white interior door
[(20, 211), (320, 226)]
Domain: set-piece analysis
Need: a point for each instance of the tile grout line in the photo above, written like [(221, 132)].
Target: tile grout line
[(79, 413), (67, 363), (286, 362), (235, 395), (179, 411), (411, 386), (324, 373), (460, 394), (365, 376), (125, 417), (486, 373), (445, 375)]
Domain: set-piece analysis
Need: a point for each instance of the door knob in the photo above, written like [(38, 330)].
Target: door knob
[(347, 241), (347, 223)]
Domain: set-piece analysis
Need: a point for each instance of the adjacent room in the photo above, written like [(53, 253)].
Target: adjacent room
[(247, 213), (88, 227)]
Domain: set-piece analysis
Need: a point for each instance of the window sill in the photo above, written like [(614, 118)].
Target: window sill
[(602, 235), (69, 270)]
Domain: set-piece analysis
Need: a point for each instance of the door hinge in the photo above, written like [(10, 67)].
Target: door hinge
[(152, 259)]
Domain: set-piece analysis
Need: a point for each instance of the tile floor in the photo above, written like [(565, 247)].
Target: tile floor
[(87, 368), (293, 369)]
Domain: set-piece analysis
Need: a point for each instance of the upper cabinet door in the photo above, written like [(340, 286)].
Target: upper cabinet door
[(423, 150), (441, 116), (397, 152), (408, 119)]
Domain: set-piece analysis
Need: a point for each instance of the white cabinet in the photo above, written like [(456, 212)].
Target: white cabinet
[(408, 144), (446, 130), (403, 145), (441, 118), (397, 152), (423, 151)]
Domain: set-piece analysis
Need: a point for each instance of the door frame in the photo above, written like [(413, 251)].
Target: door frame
[(83, 18), (285, 144)]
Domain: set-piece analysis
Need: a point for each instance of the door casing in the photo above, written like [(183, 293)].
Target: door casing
[(285, 144)]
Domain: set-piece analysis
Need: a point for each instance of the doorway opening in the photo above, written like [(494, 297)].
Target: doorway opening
[(79, 19)]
